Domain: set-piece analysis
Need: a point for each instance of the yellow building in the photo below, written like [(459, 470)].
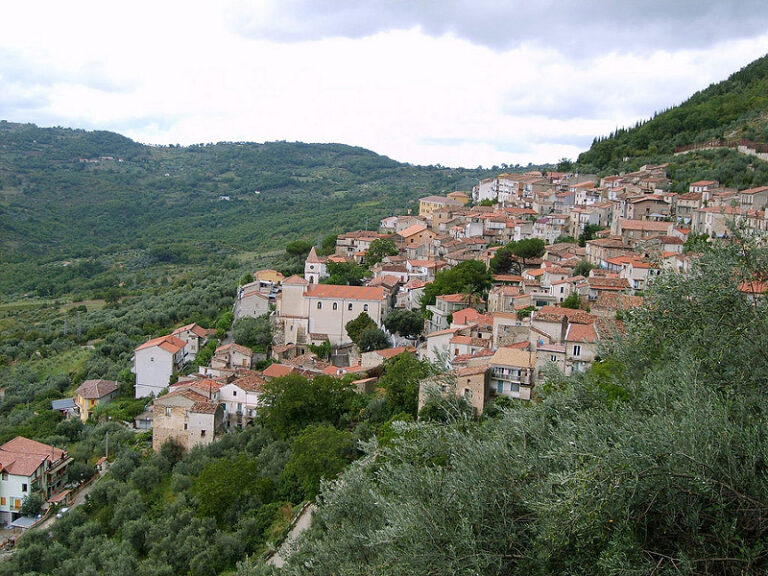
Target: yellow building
[(91, 393)]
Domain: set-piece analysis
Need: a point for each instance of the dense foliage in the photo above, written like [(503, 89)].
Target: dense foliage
[(470, 277), (70, 200), (651, 462), (733, 108)]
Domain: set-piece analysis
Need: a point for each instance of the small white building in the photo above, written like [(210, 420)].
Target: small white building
[(194, 337), (154, 363)]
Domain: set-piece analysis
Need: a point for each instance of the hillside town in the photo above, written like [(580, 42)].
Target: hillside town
[(604, 241)]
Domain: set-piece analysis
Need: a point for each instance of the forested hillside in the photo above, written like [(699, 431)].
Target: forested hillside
[(68, 195), (733, 108)]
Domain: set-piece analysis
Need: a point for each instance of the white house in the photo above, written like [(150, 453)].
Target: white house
[(240, 398), (28, 467), (321, 311), (154, 363)]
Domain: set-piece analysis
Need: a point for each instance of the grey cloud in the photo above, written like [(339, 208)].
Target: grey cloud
[(577, 28)]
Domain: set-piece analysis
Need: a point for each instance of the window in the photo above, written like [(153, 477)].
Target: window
[(202, 433), (577, 350), (335, 306), (2, 501), (23, 487), (365, 307), (319, 305), (349, 306), (186, 426), (234, 392), (151, 358), (5, 475), (167, 410), (552, 358)]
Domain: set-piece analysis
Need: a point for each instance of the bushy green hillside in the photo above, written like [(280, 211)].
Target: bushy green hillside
[(733, 108), (652, 462), (66, 193)]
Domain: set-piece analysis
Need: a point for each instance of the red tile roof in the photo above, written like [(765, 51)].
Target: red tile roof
[(345, 292), (277, 370), (95, 389), (168, 343)]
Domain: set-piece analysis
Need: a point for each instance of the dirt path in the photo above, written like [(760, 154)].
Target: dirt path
[(303, 521)]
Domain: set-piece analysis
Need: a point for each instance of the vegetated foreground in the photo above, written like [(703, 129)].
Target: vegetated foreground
[(652, 462)]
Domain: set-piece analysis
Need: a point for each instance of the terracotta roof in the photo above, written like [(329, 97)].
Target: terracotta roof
[(469, 341), (443, 332), (22, 456), (392, 352), (599, 283), (581, 333), (295, 279), (234, 348), (277, 370), (513, 357), (473, 370), (204, 407), (481, 353), (168, 343), (339, 371), (626, 224), (456, 298), (704, 183), (184, 392), (345, 292), (95, 389), (556, 313), (197, 330), (411, 230)]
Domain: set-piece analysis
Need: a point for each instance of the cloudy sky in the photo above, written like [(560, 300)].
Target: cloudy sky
[(452, 82)]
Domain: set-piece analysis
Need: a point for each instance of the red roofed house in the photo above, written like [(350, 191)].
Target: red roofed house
[(378, 357), (94, 392), (240, 398), (232, 356), (194, 336), (28, 467), (277, 371), (154, 363), (321, 311), (445, 305), (186, 417), (580, 347)]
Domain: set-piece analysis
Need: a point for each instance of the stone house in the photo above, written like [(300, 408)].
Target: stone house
[(188, 418)]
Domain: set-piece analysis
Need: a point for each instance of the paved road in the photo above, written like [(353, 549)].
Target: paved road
[(302, 523)]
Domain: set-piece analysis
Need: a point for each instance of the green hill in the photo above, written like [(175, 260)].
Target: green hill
[(65, 193), (734, 108), (70, 194)]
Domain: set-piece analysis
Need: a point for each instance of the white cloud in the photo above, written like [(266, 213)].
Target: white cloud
[(421, 82)]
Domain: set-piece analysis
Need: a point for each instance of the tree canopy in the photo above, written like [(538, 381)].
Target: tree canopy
[(255, 333), (650, 462), (470, 277), (407, 323)]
